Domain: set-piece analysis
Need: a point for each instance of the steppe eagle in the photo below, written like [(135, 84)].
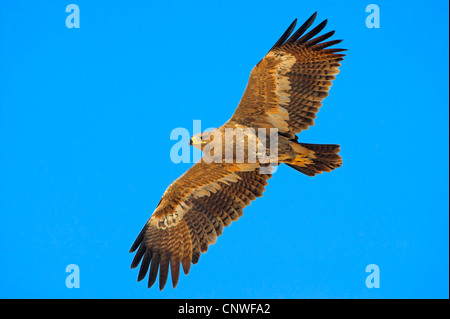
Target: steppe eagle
[(284, 92)]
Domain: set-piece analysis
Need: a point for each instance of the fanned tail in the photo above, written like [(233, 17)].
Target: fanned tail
[(324, 159)]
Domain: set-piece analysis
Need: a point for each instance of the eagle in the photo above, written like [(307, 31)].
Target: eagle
[(284, 92)]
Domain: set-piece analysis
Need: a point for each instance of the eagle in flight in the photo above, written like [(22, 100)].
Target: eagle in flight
[(284, 92)]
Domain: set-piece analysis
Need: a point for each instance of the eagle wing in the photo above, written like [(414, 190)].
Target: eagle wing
[(286, 88), (191, 215)]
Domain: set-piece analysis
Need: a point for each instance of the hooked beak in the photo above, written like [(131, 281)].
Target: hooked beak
[(197, 140)]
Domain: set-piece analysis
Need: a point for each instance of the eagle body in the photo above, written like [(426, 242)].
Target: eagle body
[(283, 95), (238, 144)]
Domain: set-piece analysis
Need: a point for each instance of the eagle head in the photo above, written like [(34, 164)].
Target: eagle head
[(199, 140)]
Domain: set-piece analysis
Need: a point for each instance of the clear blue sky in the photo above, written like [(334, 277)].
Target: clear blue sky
[(85, 122)]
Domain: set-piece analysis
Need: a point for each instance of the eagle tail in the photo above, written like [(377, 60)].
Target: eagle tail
[(325, 158)]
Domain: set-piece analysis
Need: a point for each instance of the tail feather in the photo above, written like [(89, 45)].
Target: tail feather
[(325, 159)]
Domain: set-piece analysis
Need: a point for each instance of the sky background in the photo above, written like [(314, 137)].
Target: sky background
[(85, 122)]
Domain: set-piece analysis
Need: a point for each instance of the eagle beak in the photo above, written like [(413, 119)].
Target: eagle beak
[(195, 140)]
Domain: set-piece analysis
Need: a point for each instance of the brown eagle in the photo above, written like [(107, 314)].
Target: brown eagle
[(284, 92)]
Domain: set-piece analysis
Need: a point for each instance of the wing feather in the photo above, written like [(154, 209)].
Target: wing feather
[(305, 26)]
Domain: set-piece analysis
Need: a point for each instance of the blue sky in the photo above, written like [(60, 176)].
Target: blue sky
[(85, 122)]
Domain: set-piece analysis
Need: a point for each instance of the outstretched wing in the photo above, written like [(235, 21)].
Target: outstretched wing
[(191, 215), (286, 88)]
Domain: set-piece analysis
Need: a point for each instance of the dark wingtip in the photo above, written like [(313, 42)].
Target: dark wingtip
[(313, 32), (307, 39), (302, 28), (285, 35), (137, 258), (138, 240), (144, 265)]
